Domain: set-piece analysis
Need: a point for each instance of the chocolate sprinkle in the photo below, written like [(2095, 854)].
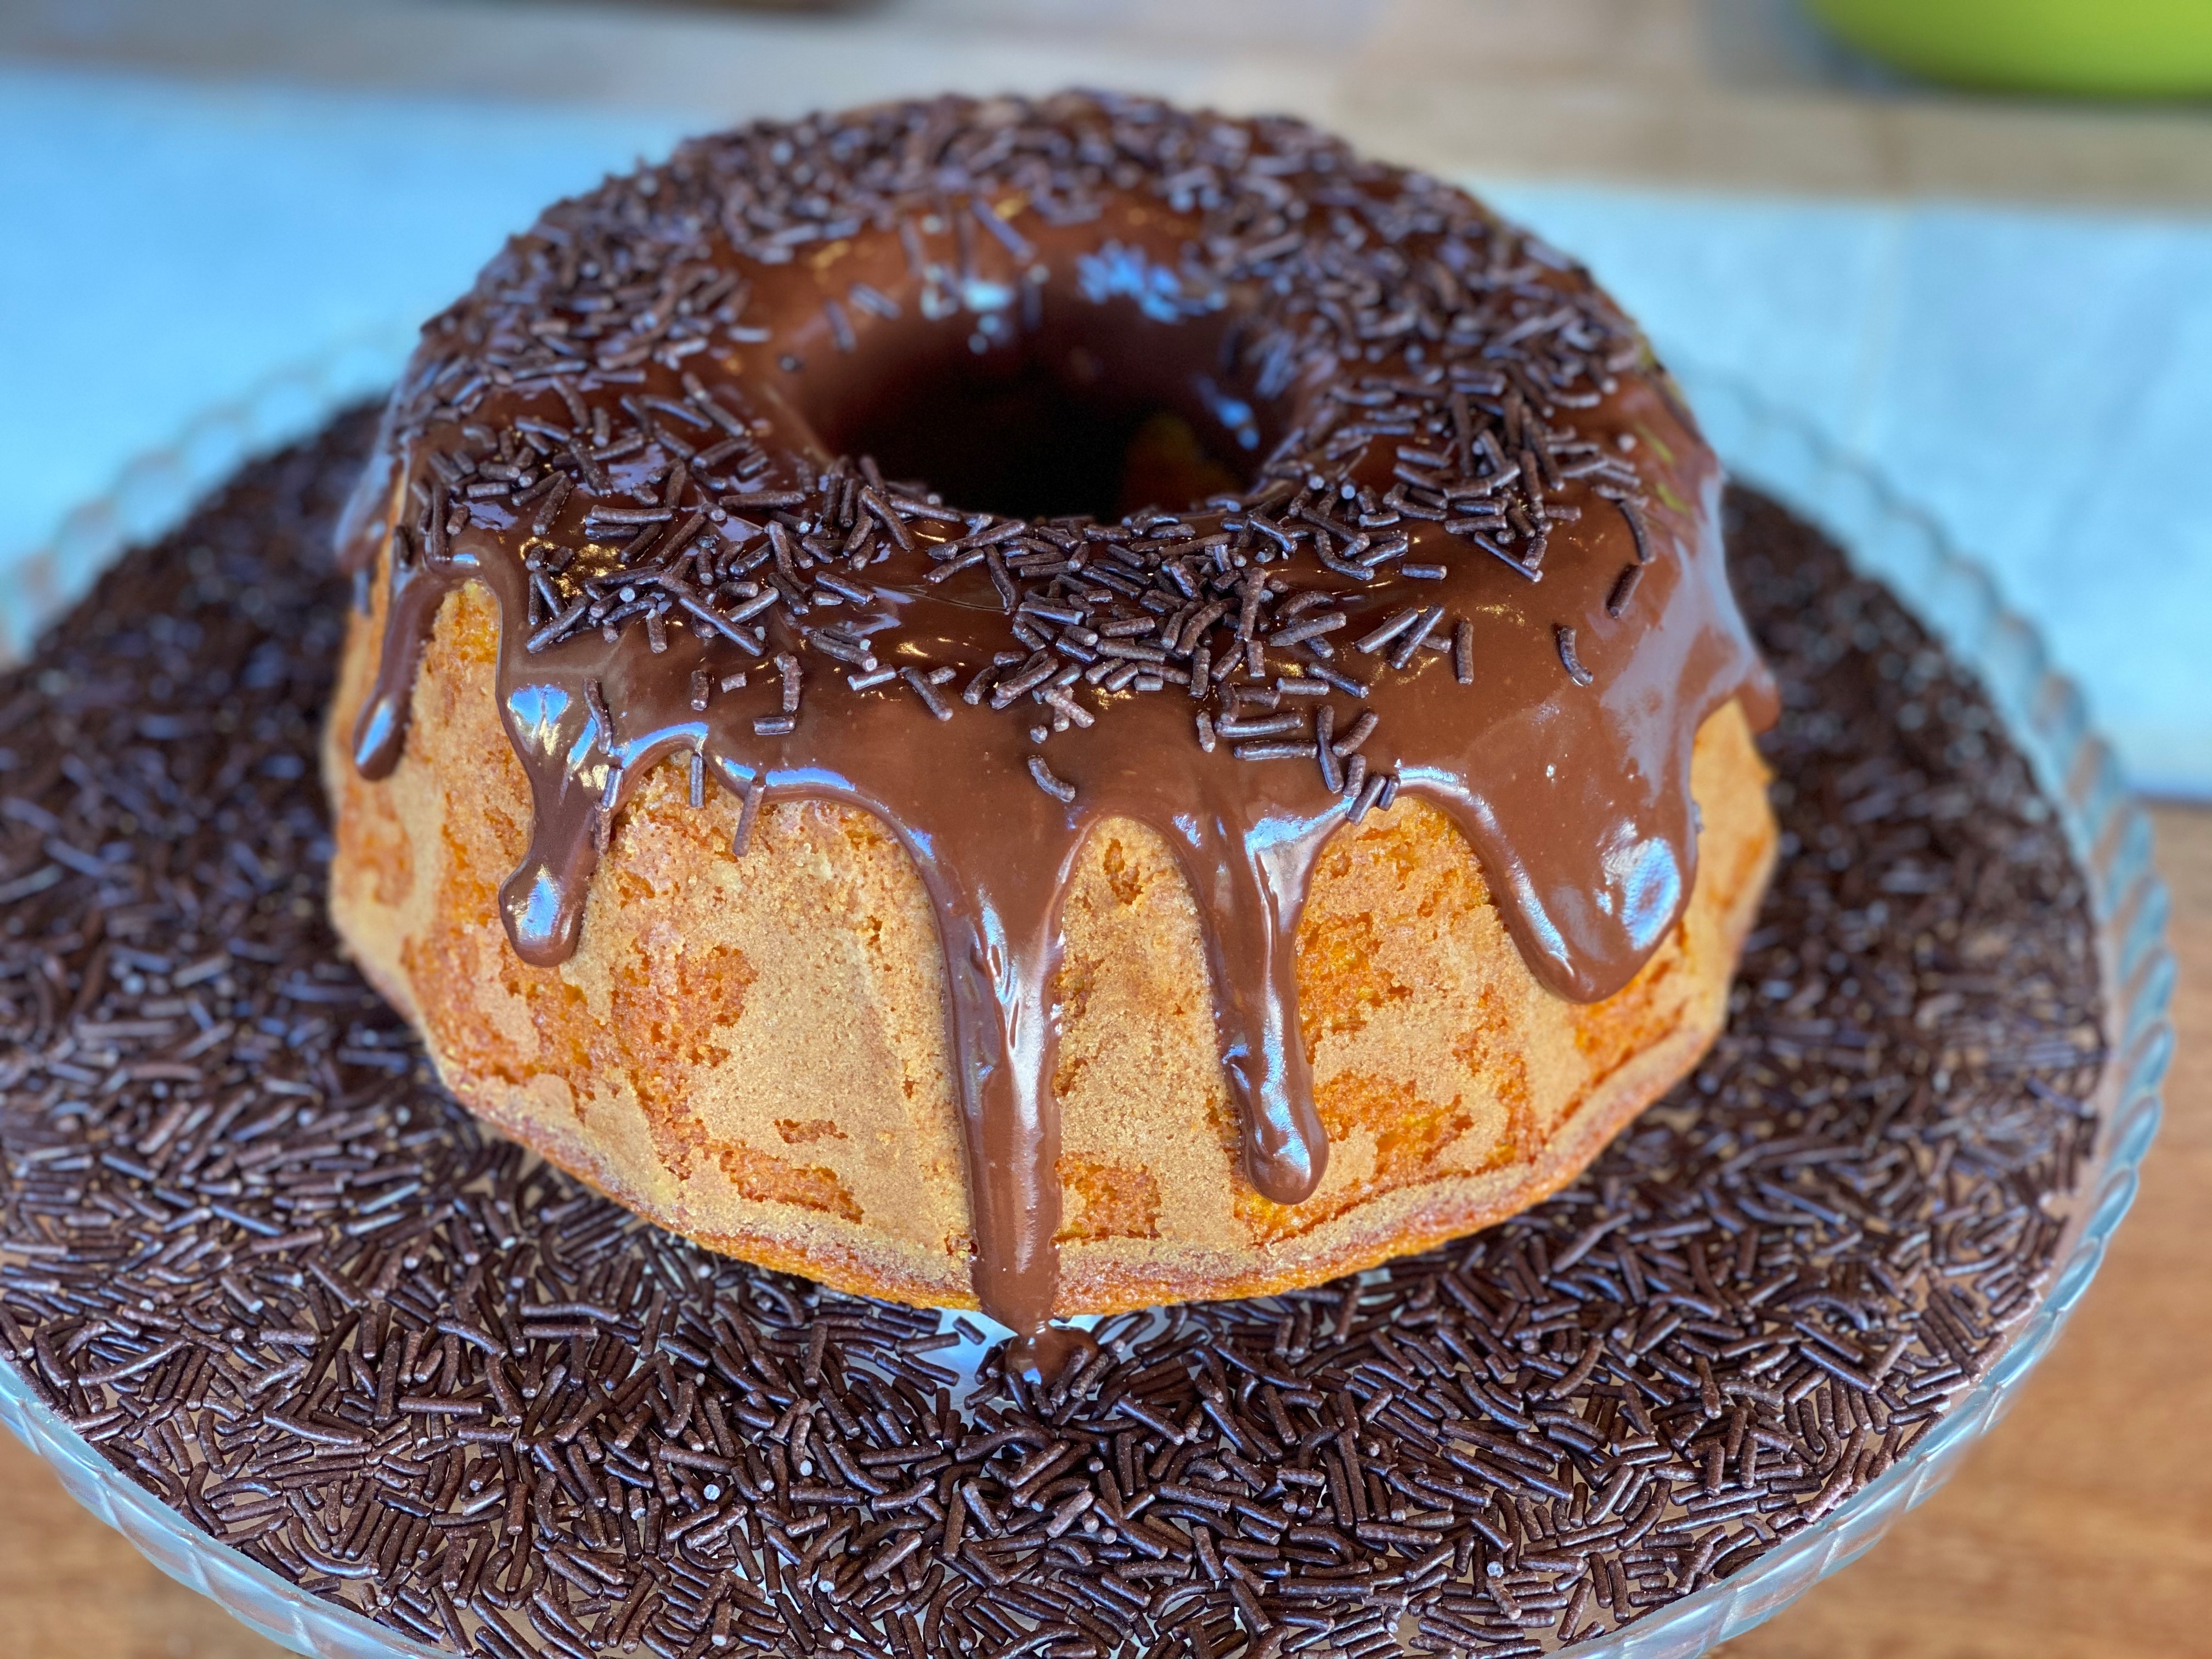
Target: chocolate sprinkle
[(1568, 658), (1057, 788), (255, 1255)]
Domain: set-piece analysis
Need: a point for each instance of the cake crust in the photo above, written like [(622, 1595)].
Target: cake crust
[(752, 1052)]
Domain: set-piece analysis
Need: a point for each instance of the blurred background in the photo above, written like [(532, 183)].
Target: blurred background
[(1970, 241)]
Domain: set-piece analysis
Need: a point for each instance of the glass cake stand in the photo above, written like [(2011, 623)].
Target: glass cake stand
[(1885, 537)]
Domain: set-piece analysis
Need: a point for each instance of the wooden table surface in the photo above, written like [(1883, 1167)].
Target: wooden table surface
[(2082, 1527)]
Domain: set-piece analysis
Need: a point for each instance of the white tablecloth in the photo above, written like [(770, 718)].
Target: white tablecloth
[(2040, 382)]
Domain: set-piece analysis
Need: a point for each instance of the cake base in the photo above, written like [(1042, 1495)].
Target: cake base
[(260, 1261)]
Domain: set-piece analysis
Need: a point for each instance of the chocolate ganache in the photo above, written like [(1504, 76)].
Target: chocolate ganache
[(1001, 468)]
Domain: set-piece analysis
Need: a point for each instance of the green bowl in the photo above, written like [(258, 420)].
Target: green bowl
[(2128, 48)]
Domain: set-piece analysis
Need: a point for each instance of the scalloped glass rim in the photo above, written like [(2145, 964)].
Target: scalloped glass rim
[(1886, 539), (154, 491)]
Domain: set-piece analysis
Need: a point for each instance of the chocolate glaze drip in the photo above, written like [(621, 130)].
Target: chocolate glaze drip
[(1473, 511)]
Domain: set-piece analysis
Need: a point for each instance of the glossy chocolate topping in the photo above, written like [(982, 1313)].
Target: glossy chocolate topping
[(1001, 468)]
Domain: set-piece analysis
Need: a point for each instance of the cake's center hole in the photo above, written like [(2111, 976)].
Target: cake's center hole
[(1050, 405)]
